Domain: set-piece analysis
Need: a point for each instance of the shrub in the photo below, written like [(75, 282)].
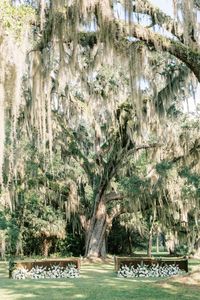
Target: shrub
[(182, 250)]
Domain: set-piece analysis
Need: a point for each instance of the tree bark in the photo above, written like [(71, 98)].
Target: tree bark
[(96, 233), (42, 14), (186, 54), (149, 250), (157, 243), (99, 226), (171, 242), (130, 244), (197, 248), (46, 246), (2, 244)]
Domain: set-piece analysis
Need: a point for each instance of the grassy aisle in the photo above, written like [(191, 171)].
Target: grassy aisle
[(97, 282)]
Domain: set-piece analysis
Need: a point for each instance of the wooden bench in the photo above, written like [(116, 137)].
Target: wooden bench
[(45, 263), (182, 263)]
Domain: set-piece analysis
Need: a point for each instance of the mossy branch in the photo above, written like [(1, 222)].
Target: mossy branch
[(184, 53), (158, 17)]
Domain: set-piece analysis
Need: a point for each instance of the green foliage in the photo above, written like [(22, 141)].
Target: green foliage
[(15, 18), (133, 185), (193, 180), (192, 177), (124, 242), (73, 245), (13, 235), (182, 250), (189, 124), (163, 167), (11, 265), (3, 221)]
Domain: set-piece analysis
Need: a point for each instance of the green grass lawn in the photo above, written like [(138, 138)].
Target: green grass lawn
[(96, 282)]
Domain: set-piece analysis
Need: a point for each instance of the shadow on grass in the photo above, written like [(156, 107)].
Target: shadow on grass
[(3, 270), (96, 282)]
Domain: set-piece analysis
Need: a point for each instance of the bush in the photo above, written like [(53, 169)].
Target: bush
[(182, 250)]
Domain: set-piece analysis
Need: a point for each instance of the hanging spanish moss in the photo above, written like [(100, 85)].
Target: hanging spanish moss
[(12, 71), (13, 66)]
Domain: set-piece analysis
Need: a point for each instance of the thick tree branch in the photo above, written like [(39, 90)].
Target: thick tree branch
[(141, 147), (123, 33), (84, 222), (197, 4), (190, 55), (195, 148), (158, 17), (177, 49), (120, 32), (147, 146), (114, 197), (116, 211)]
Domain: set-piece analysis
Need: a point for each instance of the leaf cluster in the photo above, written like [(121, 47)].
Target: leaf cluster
[(15, 18)]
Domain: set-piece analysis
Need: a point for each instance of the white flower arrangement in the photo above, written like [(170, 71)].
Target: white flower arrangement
[(53, 271), (20, 273), (154, 270)]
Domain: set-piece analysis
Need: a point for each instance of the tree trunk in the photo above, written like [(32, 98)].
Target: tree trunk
[(42, 14), (46, 246), (150, 237), (157, 243), (149, 250), (197, 248), (96, 233), (2, 244), (130, 244), (19, 246), (171, 242)]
